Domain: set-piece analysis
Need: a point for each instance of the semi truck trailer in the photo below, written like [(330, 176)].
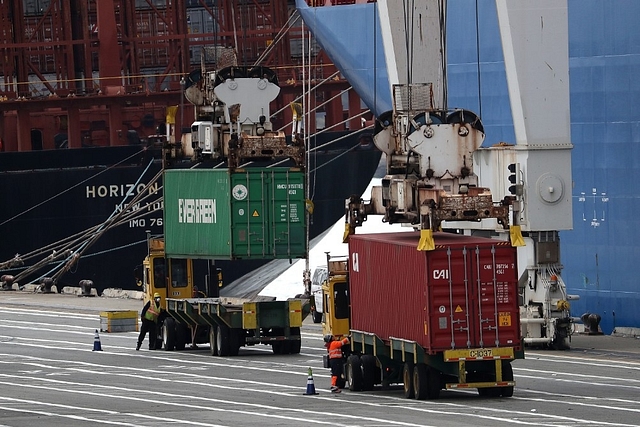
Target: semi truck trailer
[(195, 317), (430, 320)]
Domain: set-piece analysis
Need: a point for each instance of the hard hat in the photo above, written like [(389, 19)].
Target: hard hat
[(156, 295), (328, 338)]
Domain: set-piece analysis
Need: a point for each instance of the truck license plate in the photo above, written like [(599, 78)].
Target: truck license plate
[(481, 352)]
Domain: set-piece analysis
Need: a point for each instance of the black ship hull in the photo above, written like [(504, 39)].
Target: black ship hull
[(50, 195)]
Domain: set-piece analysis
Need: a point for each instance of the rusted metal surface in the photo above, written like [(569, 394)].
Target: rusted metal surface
[(431, 208), (475, 206), (270, 146)]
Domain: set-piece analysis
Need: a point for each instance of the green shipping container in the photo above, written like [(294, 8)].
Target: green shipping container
[(253, 213)]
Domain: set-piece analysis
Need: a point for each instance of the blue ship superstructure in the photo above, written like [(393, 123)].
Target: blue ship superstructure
[(598, 254)]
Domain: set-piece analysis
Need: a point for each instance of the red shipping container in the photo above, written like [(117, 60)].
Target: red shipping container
[(461, 295)]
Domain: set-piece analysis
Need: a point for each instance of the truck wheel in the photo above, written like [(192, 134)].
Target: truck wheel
[(490, 392), (316, 317), (507, 375), (560, 343), (433, 384), (368, 372), (407, 378), (354, 373), (234, 342), (287, 347), (182, 336), (295, 345), (277, 347), (420, 381), (213, 348), (223, 347), (168, 334)]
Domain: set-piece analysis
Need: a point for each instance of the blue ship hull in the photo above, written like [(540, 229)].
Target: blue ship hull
[(600, 253)]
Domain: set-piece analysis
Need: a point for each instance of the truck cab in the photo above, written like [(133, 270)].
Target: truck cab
[(171, 278), (336, 303)]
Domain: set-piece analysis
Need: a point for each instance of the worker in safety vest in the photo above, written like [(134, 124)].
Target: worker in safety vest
[(334, 347), (151, 314)]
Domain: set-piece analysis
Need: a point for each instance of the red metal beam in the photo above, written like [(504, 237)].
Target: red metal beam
[(77, 47), (109, 53)]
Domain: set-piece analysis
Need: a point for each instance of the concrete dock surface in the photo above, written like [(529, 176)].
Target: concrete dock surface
[(606, 344), (597, 345)]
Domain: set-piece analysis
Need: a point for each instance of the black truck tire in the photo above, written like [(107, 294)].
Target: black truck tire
[(354, 372), (295, 345), (507, 375), (182, 336), (227, 341), (281, 347), (286, 347), (276, 346), (369, 369), (434, 384), (223, 341), (407, 379), (213, 349), (169, 334), (420, 381), (236, 342)]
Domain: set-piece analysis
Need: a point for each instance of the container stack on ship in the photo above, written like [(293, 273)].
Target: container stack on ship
[(92, 91)]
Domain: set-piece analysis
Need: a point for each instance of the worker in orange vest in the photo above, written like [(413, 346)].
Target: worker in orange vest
[(334, 347)]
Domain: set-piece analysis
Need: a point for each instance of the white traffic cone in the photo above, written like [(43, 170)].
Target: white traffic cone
[(96, 342), (311, 388)]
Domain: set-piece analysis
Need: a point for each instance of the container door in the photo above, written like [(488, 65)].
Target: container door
[(288, 215), (451, 311), (249, 214), (268, 218), (496, 320), (473, 297)]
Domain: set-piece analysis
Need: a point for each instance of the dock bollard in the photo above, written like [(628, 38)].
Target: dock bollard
[(47, 283), (311, 388), (592, 323), (86, 286), (7, 282)]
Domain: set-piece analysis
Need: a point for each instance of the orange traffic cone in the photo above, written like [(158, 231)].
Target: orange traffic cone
[(311, 388), (96, 342)]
